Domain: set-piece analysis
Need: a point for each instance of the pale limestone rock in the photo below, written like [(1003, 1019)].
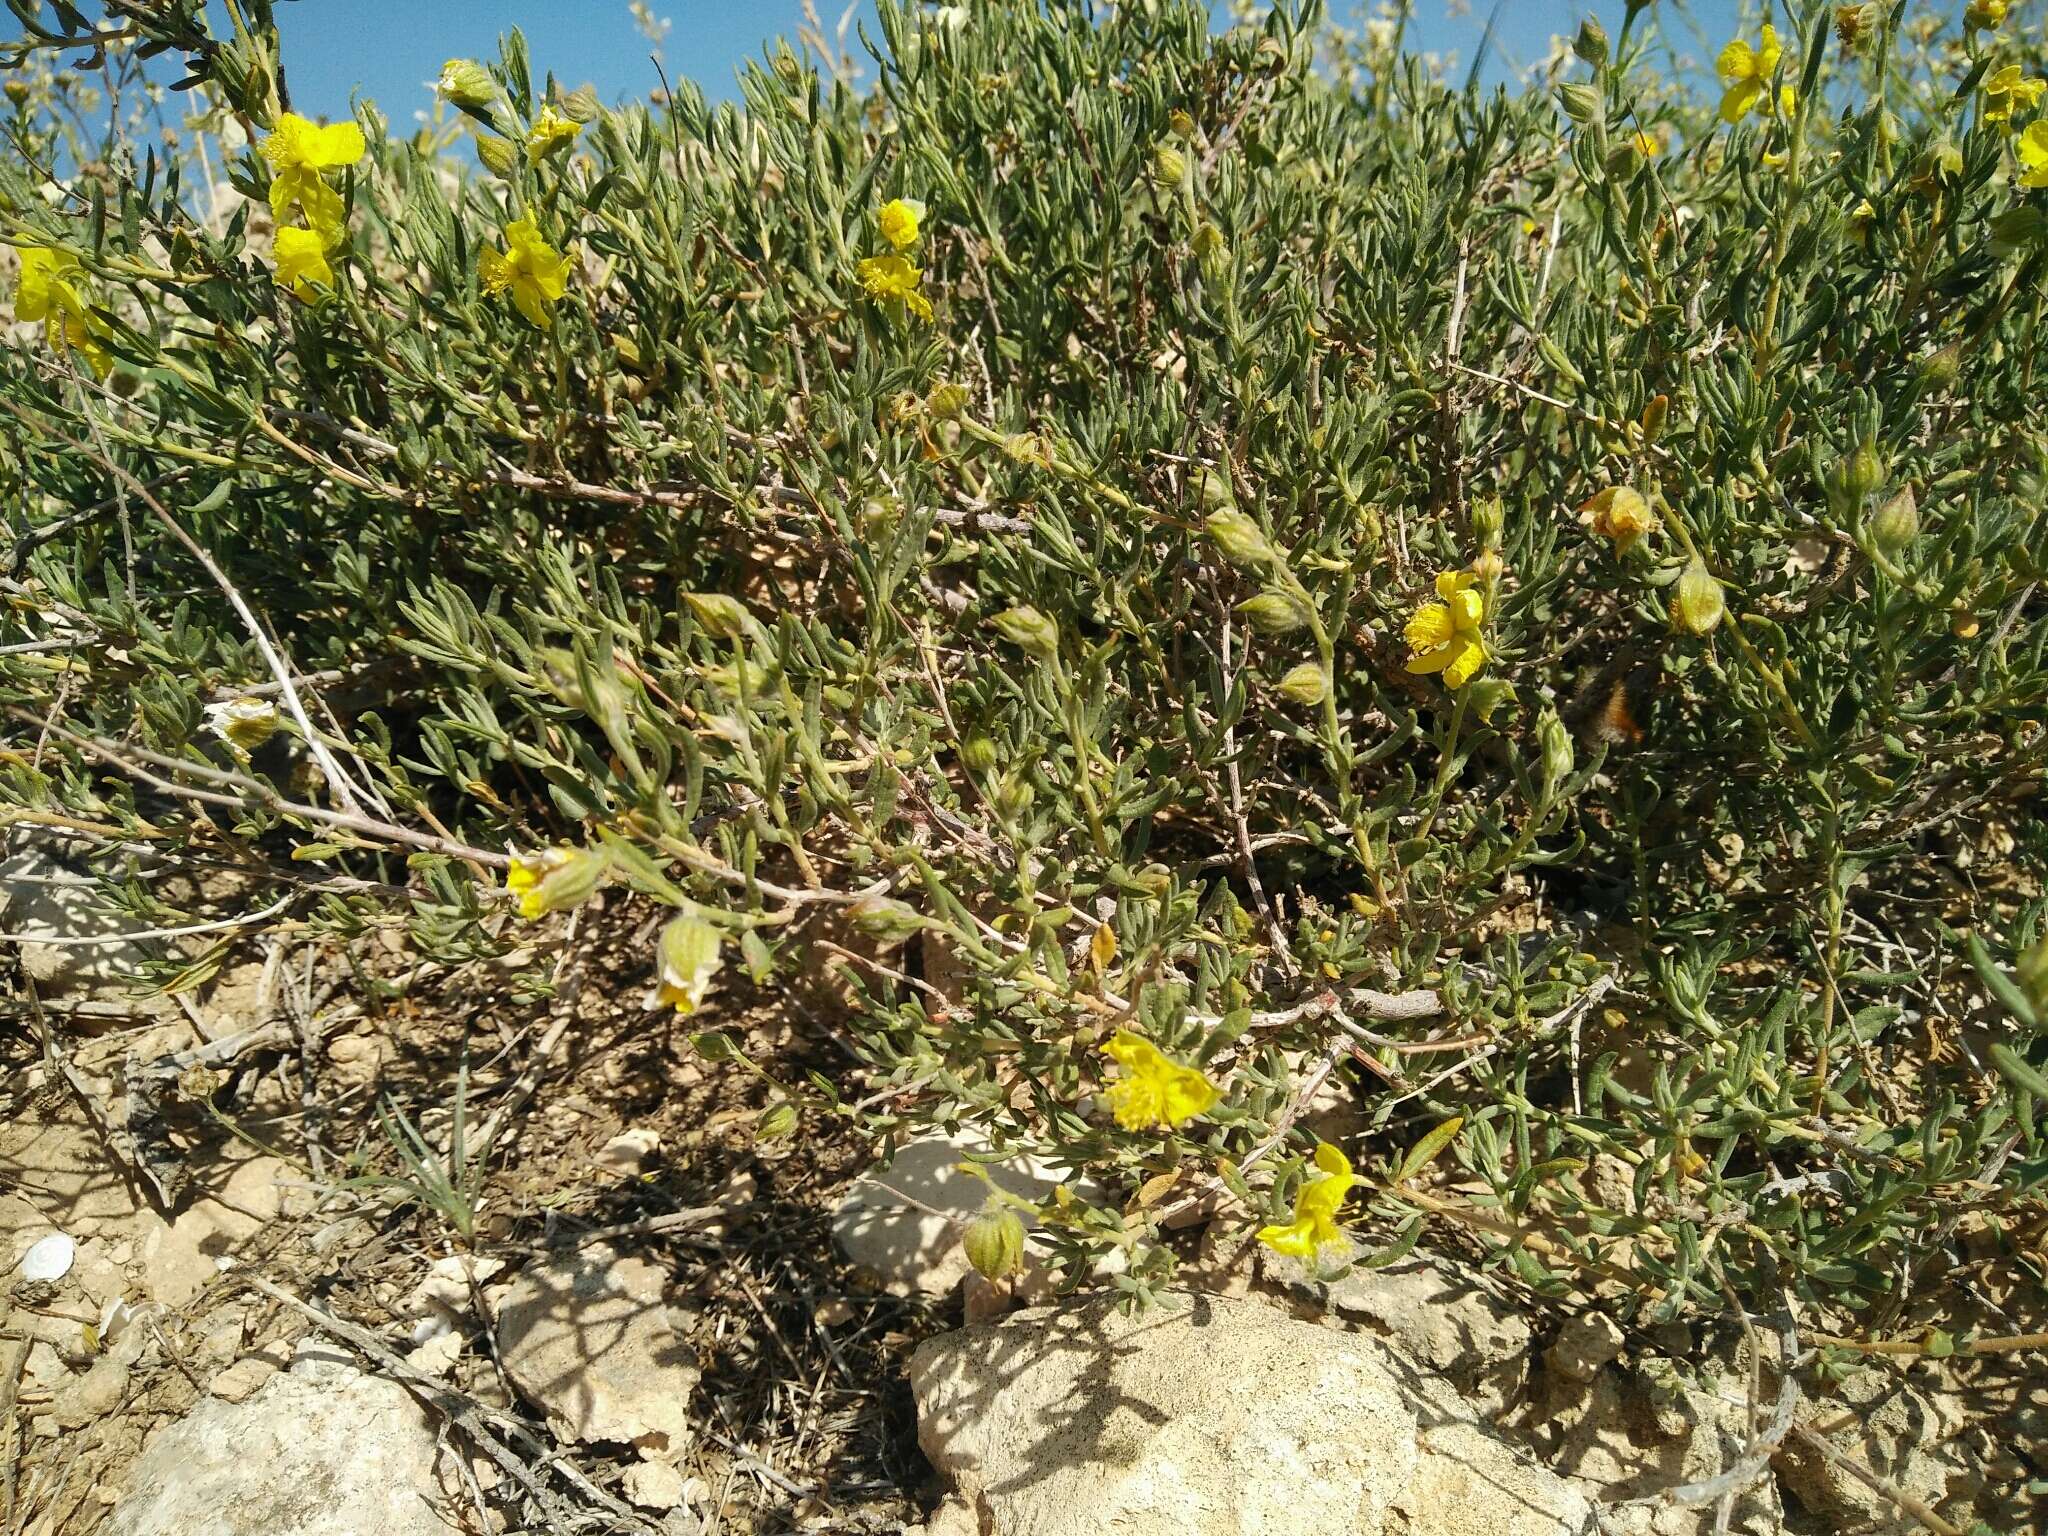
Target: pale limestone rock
[(240, 1381), (653, 1485), (1907, 1436), (586, 1336), (340, 1455), (1632, 1434), (902, 1224), (1587, 1341), (182, 1259), (627, 1153), (1213, 1417), (44, 899), (1451, 1323)]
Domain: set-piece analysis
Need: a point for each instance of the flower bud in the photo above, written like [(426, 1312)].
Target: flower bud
[(883, 917), (775, 1122), (1182, 124), (994, 1242), (1240, 538), (581, 105), (1306, 684), (1025, 448), (1489, 522), (1015, 796), (1591, 43), (1169, 167), (467, 83), (1488, 566), (1865, 471), (17, 91), (1897, 523), (499, 156), (948, 402), (1274, 612), (978, 756), (1555, 742), (1941, 368), (1984, 15), (1626, 158), (718, 615), (1698, 606), (1030, 631), (2016, 230), (1654, 415), (1581, 102), (2032, 973), (1212, 489)]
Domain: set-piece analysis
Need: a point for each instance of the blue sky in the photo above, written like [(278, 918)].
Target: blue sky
[(388, 49)]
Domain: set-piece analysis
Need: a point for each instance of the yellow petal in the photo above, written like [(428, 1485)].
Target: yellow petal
[(898, 220), (1738, 99), (335, 145), (1433, 661), (1332, 1160), (1188, 1094), (1127, 1049), (1430, 627), (1469, 658), (1296, 1239), (1767, 56), (287, 143), (1736, 62), (529, 301), (1136, 1102)]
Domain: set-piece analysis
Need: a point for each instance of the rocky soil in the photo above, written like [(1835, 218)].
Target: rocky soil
[(228, 1304)]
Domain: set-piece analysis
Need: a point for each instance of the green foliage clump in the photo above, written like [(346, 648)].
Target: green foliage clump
[(1530, 602)]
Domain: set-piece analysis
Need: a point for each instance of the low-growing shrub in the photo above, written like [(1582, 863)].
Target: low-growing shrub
[(1194, 566)]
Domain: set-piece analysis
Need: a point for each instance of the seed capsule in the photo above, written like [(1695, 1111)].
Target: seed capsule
[(1699, 605)]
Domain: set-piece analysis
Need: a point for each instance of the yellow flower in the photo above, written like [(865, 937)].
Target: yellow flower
[(301, 150), (899, 220), (523, 879), (2033, 152), (550, 131), (555, 878), (301, 262), (529, 268), (1154, 1089), (893, 277), (1984, 15), (1746, 72), (2008, 90), (1315, 1209), (48, 290), (1445, 635), (1620, 513)]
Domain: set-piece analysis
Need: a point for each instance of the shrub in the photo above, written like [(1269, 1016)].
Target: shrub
[(1529, 602)]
